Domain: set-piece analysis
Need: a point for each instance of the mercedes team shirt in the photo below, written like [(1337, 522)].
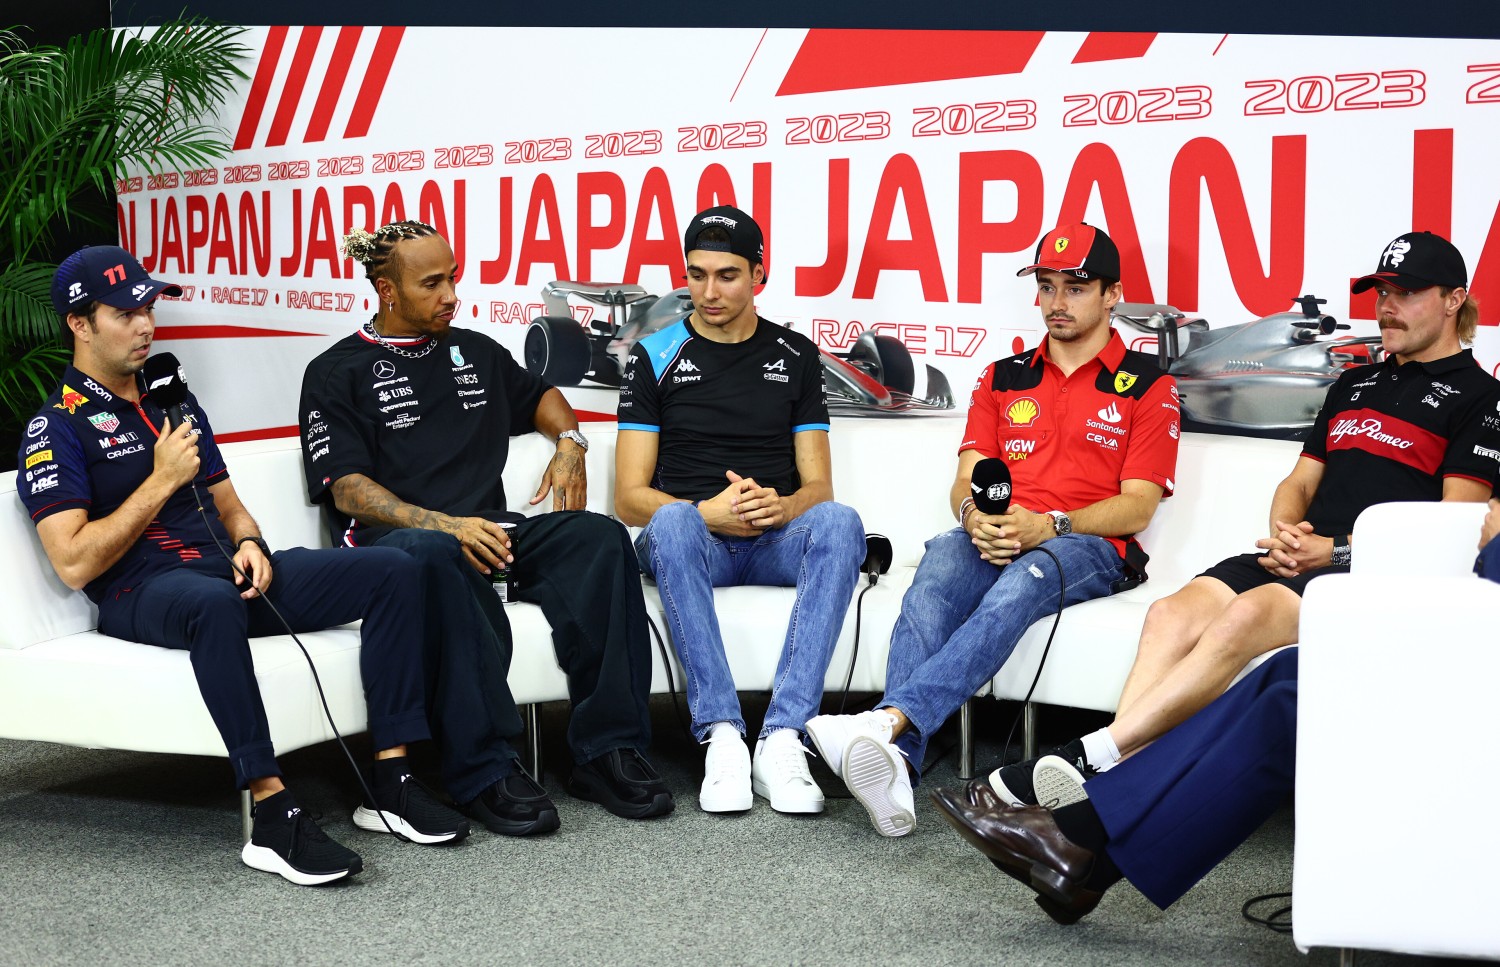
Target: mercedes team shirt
[(1070, 440), (88, 449), (723, 406), (1395, 432), (432, 426)]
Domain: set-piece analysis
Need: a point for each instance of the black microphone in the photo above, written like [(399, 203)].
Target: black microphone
[(990, 486), (878, 554), (167, 386)]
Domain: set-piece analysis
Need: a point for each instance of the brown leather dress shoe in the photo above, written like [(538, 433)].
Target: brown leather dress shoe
[(976, 793), (1024, 842)]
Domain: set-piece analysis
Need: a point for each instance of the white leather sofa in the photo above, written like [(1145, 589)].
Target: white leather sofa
[(1395, 793), (61, 681)]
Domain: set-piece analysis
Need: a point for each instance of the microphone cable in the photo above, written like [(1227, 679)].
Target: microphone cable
[(317, 681), (666, 664), (1062, 594)]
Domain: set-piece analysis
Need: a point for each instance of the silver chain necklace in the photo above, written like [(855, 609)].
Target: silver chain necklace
[(431, 343)]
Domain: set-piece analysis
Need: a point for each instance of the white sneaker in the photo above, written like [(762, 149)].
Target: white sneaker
[(726, 776), (831, 734), (876, 773), (779, 773), (1057, 782)]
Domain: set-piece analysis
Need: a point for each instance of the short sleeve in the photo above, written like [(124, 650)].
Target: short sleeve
[(640, 404), (523, 390), (336, 439), (1474, 446), (979, 432), (53, 476), (210, 459), (812, 404), (1315, 445), (1151, 443)]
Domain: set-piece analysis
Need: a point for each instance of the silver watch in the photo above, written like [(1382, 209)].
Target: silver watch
[(576, 437), (1061, 521)]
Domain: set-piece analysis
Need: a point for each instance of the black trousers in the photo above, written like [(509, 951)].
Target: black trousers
[(198, 607), (581, 569)]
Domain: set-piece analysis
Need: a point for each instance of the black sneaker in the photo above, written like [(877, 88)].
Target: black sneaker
[(514, 806), (1015, 782), (623, 782), (294, 847), (410, 810)]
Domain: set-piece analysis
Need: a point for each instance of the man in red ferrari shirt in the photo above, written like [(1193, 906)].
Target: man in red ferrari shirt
[(1089, 431)]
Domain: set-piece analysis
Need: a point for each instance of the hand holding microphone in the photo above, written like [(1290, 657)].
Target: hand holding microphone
[(1000, 530)]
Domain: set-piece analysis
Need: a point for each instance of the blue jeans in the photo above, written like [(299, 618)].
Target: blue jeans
[(962, 617), (819, 553)]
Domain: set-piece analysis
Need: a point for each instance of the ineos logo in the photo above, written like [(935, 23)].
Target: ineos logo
[(385, 369)]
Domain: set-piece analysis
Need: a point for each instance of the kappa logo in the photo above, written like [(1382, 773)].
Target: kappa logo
[(778, 366), (1123, 381), (107, 422), (1110, 414), (1395, 253), (384, 369), (686, 366), (1023, 412)]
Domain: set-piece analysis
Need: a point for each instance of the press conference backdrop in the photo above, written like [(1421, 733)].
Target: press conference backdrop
[(902, 176)]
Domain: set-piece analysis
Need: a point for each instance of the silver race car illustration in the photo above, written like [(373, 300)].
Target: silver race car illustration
[(877, 375), (1266, 377)]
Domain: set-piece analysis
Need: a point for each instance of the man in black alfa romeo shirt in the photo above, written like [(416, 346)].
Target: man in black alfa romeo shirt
[(115, 494), (1421, 425), (723, 457), (406, 426)]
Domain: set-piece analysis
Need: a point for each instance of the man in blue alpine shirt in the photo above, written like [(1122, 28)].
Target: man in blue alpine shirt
[(723, 457), (1098, 425)]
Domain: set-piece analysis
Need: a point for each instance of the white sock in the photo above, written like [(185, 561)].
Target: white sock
[(1100, 749), (722, 730)]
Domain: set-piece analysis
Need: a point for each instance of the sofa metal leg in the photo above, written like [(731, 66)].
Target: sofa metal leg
[(1028, 731), (1346, 957), (966, 740), (246, 803), (533, 740)]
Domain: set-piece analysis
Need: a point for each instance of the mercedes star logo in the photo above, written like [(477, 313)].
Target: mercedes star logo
[(385, 369)]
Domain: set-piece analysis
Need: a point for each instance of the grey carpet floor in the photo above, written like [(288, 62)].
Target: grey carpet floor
[(116, 857)]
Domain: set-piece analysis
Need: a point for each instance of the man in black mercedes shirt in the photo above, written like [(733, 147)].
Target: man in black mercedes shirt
[(723, 457), (406, 426), (1418, 426)]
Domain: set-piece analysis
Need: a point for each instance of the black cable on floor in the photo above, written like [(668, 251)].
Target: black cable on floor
[(1279, 920), (854, 655)]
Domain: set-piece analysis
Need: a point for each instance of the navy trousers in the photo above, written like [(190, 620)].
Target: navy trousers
[(1177, 808), (581, 569), (198, 607)]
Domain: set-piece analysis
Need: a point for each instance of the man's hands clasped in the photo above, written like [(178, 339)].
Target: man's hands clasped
[(1294, 549), (1001, 538), (744, 508)]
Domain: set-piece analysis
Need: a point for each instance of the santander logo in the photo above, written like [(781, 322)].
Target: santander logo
[(1369, 428)]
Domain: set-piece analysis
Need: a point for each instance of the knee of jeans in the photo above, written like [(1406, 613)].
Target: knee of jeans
[(674, 525), (839, 526)]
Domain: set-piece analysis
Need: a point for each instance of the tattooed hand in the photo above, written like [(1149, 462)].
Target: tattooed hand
[(567, 477)]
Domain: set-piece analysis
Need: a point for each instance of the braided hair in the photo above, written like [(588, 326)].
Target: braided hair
[(375, 250)]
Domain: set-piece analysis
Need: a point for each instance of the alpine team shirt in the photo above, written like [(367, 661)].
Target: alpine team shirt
[(1395, 432), (723, 406), (89, 449), (431, 423), (1070, 440)]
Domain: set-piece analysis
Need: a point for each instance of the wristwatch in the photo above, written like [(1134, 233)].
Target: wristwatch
[(1342, 552), (259, 541), (1061, 522), (576, 437)]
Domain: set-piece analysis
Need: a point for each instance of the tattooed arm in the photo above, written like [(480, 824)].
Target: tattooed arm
[(566, 476), (485, 543)]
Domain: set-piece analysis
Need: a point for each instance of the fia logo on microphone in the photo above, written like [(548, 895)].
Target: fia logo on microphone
[(999, 491)]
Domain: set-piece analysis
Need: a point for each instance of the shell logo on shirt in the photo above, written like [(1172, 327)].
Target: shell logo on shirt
[(1023, 412)]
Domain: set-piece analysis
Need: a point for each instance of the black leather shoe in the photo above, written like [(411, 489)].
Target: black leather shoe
[(514, 806), (623, 782), (1024, 842)]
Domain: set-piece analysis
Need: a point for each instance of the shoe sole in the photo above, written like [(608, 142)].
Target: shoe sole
[(545, 822), (1057, 783), (711, 803), (832, 757), (267, 860), (786, 804), (660, 804), (370, 820), (870, 773)]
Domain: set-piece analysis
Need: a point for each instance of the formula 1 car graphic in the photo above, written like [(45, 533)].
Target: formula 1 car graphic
[(877, 375), (1264, 378)]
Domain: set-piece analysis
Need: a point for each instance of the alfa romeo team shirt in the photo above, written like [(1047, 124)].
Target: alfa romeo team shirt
[(89, 449), (1070, 441), (1394, 432), (431, 424), (723, 406)]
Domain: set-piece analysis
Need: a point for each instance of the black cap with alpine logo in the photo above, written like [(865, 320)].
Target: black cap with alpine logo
[(745, 239), (106, 273), (1415, 261), (1079, 249)]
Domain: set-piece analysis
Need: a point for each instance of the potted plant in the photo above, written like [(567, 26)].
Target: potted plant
[(73, 119)]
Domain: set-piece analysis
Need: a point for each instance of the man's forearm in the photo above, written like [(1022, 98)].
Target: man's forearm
[(1289, 505), (808, 496), (553, 414), (635, 506), (1118, 516), (371, 504)]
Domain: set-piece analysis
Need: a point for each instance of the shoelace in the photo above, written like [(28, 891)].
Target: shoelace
[(725, 767), (791, 761)]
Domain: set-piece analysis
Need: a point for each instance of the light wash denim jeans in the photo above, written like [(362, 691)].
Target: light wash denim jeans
[(819, 553), (962, 617)]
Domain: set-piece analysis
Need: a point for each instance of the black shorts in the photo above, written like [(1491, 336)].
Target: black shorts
[(1242, 574)]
